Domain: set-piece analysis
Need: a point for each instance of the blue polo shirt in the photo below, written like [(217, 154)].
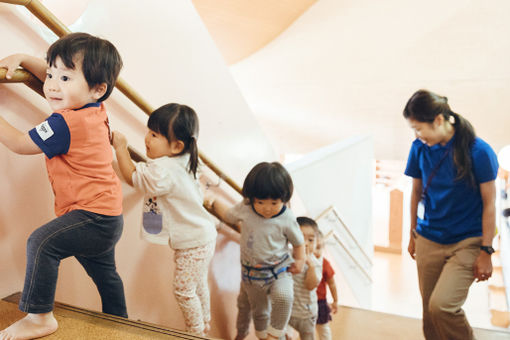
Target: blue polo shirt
[(453, 208)]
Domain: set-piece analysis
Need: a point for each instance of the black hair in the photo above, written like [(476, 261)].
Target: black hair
[(268, 180), (101, 62), (424, 106), (178, 122), (307, 221)]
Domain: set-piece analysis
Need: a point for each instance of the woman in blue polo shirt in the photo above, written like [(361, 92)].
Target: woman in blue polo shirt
[(452, 211)]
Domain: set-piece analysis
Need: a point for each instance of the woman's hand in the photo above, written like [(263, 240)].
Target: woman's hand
[(411, 248), (482, 268)]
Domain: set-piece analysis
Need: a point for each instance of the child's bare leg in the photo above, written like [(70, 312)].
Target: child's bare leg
[(270, 337), (207, 327), (30, 327)]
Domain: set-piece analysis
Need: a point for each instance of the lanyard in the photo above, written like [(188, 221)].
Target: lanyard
[(433, 173)]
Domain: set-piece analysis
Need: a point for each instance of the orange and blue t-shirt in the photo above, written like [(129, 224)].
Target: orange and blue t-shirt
[(79, 160)]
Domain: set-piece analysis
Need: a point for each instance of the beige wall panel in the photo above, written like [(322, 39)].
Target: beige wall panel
[(241, 27)]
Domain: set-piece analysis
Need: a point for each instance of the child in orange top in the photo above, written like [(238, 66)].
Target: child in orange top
[(79, 73)]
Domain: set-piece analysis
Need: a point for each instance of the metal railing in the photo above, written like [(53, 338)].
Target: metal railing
[(332, 225)]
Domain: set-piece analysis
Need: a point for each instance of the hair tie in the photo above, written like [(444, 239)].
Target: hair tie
[(451, 118)]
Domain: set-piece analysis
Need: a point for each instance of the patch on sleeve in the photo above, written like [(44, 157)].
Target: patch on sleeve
[(44, 130)]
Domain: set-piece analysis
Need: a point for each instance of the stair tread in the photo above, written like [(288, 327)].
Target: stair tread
[(74, 322), (497, 278), (497, 299)]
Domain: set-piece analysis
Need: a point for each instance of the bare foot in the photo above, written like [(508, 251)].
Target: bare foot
[(30, 327)]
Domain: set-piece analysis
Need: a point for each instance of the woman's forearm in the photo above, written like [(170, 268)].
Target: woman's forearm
[(488, 193), (415, 199)]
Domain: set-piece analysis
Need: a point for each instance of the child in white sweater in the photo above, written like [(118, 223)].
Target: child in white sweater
[(173, 212)]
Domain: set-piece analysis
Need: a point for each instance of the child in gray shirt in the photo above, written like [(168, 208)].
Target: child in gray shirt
[(267, 226)]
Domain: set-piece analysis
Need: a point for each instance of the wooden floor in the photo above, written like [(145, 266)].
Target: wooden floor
[(76, 323), (358, 324)]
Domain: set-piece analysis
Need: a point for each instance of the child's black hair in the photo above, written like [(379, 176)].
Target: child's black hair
[(268, 180), (101, 62), (307, 221), (178, 122)]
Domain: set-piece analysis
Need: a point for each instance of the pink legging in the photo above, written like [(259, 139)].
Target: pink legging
[(190, 286)]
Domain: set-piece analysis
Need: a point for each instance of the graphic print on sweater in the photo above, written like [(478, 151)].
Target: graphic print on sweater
[(152, 217)]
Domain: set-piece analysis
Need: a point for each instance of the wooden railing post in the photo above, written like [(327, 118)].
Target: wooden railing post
[(395, 221)]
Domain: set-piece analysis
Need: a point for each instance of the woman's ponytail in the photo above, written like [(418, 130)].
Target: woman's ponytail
[(464, 139)]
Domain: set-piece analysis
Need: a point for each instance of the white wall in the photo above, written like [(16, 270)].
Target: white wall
[(340, 176), (346, 68)]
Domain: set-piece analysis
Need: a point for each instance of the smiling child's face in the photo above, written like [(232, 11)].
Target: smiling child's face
[(66, 88)]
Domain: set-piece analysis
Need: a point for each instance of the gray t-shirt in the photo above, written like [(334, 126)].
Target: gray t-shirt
[(264, 241)]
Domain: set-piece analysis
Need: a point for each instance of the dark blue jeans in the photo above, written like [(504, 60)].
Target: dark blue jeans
[(91, 239)]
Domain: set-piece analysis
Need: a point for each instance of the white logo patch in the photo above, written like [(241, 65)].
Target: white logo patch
[(44, 130)]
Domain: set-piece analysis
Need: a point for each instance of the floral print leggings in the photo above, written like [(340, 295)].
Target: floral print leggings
[(190, 286)]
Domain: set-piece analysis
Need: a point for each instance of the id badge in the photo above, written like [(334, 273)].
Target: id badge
[(421, 210)]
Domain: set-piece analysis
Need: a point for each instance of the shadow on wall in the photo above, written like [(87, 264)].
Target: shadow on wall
[(224, 277), (150, 288)]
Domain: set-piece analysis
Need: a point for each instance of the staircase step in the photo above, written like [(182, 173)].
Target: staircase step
[(500, 318), (79, 323), (497, 299), (497, 278), (496, 259)]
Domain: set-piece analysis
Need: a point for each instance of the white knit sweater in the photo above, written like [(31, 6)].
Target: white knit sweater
[(172, 212)]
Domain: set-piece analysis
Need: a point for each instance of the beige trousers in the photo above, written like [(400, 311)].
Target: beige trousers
[(445, 273)]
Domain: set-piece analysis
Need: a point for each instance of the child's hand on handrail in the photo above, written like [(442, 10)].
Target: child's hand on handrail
[(36, 66), (209, 199), (11, 64)]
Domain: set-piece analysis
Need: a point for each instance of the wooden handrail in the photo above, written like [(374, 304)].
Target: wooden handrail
[(54, 24), (22, 76), (17, 2)]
